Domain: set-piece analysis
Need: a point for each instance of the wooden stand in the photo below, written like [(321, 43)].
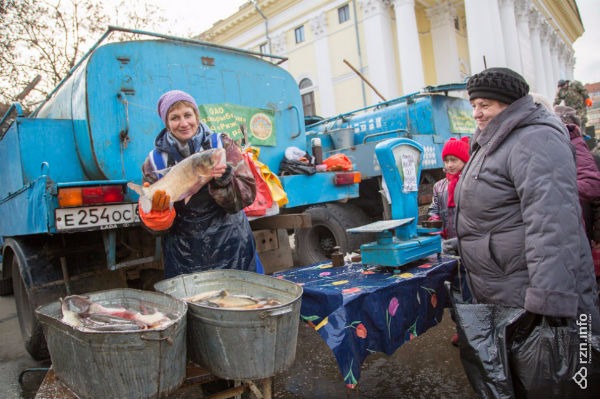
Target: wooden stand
[(52, 388)]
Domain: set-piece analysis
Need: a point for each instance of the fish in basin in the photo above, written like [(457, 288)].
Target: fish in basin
[(182, 180), (225, 299), (79, 311)]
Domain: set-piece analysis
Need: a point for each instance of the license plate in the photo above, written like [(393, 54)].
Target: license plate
[(93, 217)]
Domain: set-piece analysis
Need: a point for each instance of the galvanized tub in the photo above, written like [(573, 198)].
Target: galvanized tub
[(240, 344), (342, 138), (122, 364)]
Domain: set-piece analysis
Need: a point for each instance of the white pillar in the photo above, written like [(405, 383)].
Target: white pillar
[(278, 47), (484, 32), (563, 61), (512, 49), (324, 77), (409, 47), (522, 9), (570, 65), (539, 85), (443, 37), (378, 41), (547, 60), (555, 44)]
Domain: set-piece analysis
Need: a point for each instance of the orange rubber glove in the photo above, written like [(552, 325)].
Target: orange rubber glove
[(588, 102), (161, 201), (162, 215)]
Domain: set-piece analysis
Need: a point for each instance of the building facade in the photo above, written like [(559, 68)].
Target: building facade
[(402, 46)]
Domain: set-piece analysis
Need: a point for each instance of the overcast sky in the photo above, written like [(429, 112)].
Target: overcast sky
[(587, 47), (197, 16)]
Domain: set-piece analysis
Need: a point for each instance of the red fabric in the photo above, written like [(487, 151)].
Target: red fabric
[(457, 148), (452, 180), (596, 257), (263, 199)]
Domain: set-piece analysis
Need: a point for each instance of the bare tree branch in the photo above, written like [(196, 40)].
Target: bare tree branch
[(47, 37)]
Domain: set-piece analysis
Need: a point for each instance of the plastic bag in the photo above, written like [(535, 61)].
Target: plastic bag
[(277, 192), (263, 200), (509, 353), (544, 356), (291, 167), (338, 162)]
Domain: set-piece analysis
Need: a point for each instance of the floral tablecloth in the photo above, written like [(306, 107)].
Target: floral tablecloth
[(358, 311)]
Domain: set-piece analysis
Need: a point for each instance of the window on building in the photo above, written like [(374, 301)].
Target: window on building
[(456, 23), (308, 97), (344, 14), (308, 103), (299, 33), (264, 49)]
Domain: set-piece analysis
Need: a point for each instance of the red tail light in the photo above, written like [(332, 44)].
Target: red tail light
[(77, 196), (346, 178)]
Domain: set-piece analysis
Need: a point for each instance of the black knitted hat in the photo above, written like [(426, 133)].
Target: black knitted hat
[(501, 84)]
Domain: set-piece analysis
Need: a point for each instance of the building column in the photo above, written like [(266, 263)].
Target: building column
[(324, 82), (563, 64), (510, 32), (555, 54), (378, 42), (550, 85), (484, 32), (445, 49), (570, 64), (522, 9), (539, 85), (409, 47), (278, 47)]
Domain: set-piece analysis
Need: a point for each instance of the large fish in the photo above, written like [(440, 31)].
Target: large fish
[(184, 179), (223, 299), (79, 311)]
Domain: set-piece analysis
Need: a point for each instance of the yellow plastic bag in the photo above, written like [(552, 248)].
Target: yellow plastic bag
[(277, 192)]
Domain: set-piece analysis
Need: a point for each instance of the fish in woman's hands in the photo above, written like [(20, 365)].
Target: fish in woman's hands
[(182, 180)]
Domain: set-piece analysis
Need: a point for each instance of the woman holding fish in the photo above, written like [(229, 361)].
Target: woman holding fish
[(196, 184)]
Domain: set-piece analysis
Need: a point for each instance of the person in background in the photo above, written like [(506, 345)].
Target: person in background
[(455, 155), (572, 93), (588, 176), (588, 182), (518, 217), (211, 231)]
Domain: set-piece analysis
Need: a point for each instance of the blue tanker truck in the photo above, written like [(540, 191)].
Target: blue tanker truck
[(69, 224)]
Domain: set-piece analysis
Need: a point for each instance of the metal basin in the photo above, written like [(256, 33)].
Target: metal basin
[(240, 344), (119, 364)]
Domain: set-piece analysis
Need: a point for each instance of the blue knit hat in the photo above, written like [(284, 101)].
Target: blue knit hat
[(166, 101)]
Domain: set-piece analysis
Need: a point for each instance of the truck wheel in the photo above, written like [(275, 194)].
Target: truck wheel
[(31, 329), (6, 287), (329, 224)]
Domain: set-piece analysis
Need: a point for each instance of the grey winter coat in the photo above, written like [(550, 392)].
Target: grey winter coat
[(518, 217), (439, 208)]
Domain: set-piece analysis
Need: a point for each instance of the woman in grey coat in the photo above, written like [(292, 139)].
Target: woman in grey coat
[(518, 218)]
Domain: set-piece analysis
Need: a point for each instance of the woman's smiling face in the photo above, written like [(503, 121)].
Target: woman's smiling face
[(485, 109), (183, 121)]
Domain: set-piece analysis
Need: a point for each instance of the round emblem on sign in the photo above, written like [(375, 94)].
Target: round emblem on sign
[(261, 126)]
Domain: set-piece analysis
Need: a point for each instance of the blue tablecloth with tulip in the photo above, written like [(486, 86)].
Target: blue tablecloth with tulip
[(359, 310)]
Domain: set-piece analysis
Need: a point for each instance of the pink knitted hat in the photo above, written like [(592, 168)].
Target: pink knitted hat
[(166, 101)]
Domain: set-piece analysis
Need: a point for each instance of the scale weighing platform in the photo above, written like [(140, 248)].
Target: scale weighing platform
[(399, 240)]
